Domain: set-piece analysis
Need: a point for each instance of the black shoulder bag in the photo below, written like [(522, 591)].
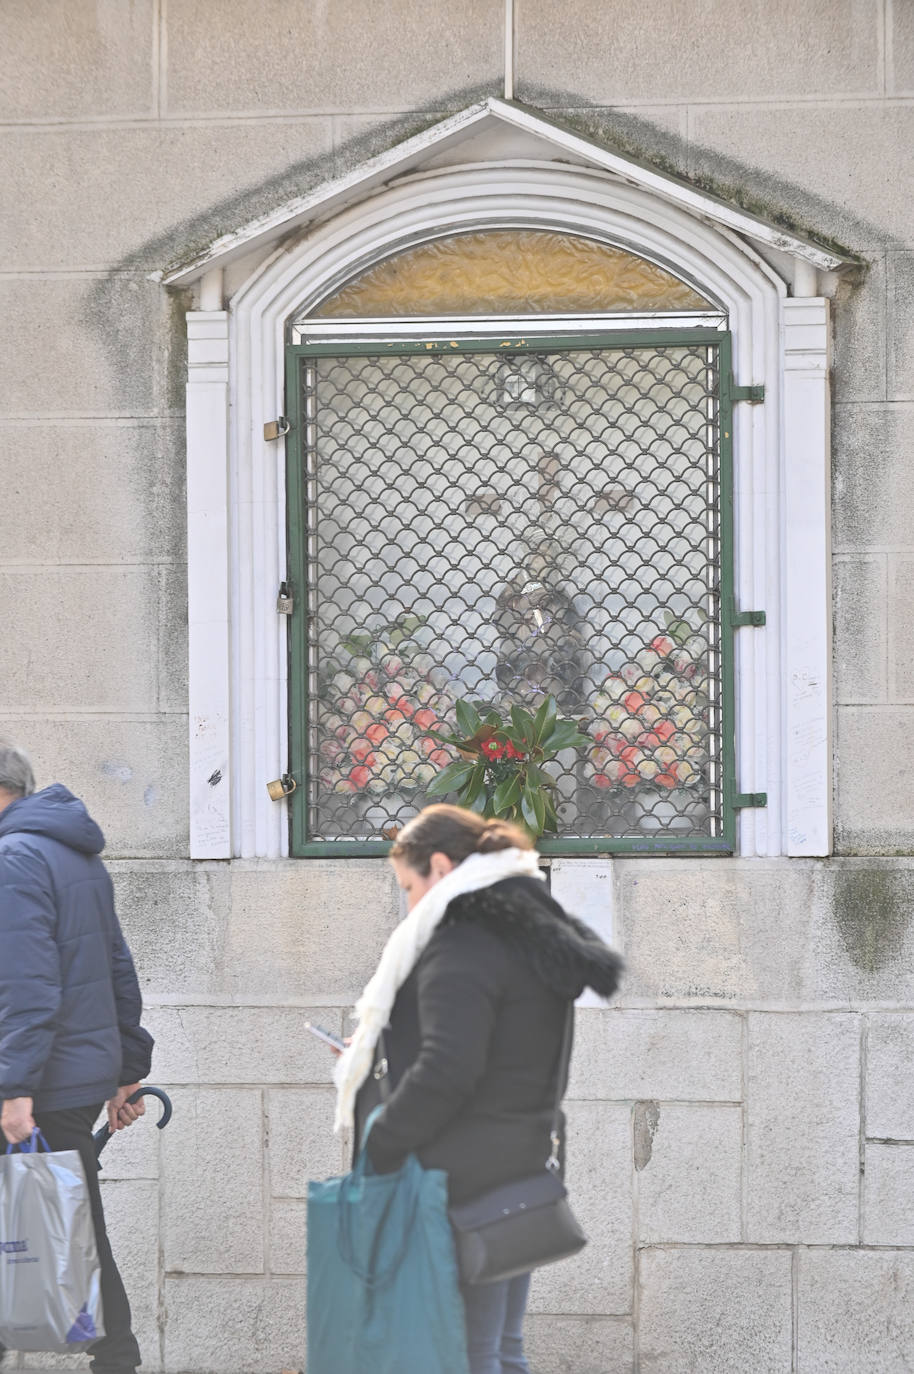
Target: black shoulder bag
[(520, 1226)]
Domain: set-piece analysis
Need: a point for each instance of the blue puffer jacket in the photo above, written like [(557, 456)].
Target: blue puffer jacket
[(70, 1002)]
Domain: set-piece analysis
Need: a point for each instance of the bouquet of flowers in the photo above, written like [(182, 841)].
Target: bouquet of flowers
[(376, 712), (501, 768), (649, 719)]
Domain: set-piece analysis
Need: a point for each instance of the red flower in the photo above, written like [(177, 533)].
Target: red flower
[(492, 749), (512, 752)]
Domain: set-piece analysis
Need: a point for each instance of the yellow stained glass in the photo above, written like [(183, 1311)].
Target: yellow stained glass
[(510, 272)]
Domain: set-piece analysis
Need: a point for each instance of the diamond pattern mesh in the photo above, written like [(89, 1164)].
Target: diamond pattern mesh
[(503, 526)]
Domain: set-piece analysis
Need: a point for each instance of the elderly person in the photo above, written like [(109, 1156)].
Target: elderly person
[(70, 1034)]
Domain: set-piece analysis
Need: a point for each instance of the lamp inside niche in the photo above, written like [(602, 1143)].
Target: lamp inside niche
[(528, 381)]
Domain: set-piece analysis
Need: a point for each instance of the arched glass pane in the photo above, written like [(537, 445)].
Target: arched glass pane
[(510, 272)]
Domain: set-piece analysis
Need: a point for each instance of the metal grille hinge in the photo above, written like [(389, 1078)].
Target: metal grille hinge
[(740, 618), (755, 395), (744, 800)]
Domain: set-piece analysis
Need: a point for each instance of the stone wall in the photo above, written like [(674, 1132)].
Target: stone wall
[(743, 1127)]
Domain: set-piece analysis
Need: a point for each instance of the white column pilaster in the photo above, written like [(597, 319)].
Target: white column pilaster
[(208, 584), (807, 581)]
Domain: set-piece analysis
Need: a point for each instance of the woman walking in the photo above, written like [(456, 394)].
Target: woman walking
[(476, 985)]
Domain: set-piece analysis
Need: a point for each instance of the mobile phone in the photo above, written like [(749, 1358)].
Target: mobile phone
[(328, 1037)]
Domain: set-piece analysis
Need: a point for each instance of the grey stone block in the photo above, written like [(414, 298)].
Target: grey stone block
[(99, 51), (92, 493), (860, 592), (887, 1190), (78, 639), (582, 48), (625, 1055), (312, 929), (858, 312), (46, 1363), (689, 1182), (172, 638), (302, 1145), (174, 916), (132, 1220), (191, 174), (234, 1325), (715, 1310), (889, 1084), (901, 319), (872, 457), (131, 774), (288, 1236), (578, 1345), (713, 930), (902, 74), (901, 626), (842, 170), (863, 931), (240, 1044), (855, 1311), (873, 780), (599, 1177), (213, 1220), (84, 346), (803, 1126), (357, 56)]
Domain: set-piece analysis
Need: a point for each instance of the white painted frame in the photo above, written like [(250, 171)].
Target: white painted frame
[(780, 472)]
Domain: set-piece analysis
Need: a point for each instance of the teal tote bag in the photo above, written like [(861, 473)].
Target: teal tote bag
[(383, 1294)]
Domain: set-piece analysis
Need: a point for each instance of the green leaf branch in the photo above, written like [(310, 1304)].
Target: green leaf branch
[(500, 769)]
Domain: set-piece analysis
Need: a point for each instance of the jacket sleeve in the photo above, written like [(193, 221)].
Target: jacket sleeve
[(30, 984), (136, 1042), (458, 1000)]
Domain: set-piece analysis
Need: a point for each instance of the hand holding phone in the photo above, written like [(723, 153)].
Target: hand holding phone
[(328, 1037)]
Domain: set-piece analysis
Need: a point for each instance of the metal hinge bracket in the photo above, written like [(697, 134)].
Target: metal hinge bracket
[(744, 800), (755, 395), (739, 618)]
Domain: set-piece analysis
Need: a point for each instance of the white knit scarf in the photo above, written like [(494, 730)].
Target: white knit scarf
[(400, 956)]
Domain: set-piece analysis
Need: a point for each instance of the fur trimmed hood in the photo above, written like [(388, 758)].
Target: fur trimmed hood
[(563, 951)]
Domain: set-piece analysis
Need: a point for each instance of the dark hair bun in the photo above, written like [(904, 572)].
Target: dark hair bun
[(499, 834), (456, 832)]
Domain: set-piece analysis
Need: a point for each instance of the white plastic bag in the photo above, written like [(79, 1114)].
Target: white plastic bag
[(50, 1279)]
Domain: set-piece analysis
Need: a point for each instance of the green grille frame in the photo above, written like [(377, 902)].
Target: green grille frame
[(301, 844)]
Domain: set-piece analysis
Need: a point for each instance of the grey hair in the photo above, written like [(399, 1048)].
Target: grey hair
[(15, 771)]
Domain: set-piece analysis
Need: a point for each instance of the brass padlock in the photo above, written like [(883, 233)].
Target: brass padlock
[(285, 603), (275, 429), (281, 787)]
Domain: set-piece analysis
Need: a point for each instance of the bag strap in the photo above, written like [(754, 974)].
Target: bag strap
[(380, 1069), (553, 1163), (30, 1146)]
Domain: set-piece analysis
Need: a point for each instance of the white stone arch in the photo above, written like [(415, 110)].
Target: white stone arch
[(780, 451)]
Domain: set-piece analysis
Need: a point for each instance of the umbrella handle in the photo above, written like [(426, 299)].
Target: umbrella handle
[(162, 1097), (103, 1134)]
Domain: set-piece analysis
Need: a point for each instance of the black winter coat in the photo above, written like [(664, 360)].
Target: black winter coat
[(70, 1002), (475, 1036)]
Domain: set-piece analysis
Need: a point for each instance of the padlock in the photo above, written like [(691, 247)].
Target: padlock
[(275, 429), (285, 602), (281, 787)]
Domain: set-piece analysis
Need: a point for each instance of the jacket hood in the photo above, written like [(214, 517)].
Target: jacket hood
[(56, 813), (566, 954)]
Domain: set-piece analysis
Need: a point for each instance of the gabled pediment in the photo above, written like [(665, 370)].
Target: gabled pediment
[(490, 132)]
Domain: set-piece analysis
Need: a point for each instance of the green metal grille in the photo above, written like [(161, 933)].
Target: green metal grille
[(501, 525)]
